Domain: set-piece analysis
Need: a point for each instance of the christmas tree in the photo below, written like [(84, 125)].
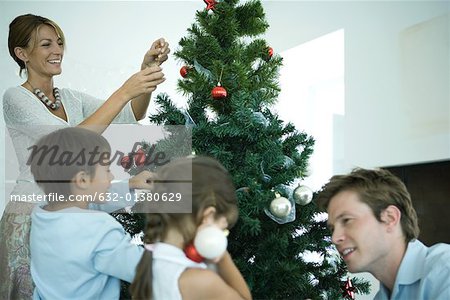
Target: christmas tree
[(230, 78)]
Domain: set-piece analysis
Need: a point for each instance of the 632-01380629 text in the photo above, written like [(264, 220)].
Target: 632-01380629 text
[(99, 197)]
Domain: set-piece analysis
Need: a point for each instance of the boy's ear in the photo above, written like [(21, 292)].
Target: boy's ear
[(81, 180), (209, 215), (391, 217), (21, 54)]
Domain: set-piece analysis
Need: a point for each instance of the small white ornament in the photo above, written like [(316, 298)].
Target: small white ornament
[(210, 242), (280, 207), (303, 195), (211, 115)]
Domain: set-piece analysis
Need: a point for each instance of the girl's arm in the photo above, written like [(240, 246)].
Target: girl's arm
[(227, 284), (232, 276)]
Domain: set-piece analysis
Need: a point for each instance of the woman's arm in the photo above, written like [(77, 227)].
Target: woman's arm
[(137, 89), (143, 82)]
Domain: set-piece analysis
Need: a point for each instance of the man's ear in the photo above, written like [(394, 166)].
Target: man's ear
[(81, 180), (208, 215), (21, 53), (391, 216)]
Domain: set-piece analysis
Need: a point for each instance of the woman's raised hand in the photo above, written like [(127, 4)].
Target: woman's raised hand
[(157, 54), (143, 82)]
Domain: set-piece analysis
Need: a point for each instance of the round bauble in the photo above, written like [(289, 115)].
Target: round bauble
[(126, 162), (270, 52), (280, 207), (302, 195), (140, 158), (211, 242), (192, 253), (219, 92), (184, 71)]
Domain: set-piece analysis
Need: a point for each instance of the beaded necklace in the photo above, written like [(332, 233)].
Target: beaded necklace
[(52, 105)]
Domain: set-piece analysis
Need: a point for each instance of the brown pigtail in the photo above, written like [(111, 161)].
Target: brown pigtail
[(141, 287)]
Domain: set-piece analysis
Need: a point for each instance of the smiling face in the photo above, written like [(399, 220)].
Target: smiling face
[(362, 241), (45, 52)]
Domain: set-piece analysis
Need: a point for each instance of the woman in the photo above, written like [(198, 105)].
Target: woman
[(37, 45)]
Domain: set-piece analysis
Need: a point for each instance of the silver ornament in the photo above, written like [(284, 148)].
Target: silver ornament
[(211, 242), (280, 207), (287, 162), (302, 195)]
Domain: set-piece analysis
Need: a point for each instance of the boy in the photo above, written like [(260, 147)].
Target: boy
[(77, 253), (374, 227)]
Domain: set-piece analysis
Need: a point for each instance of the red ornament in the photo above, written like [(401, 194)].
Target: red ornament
[(140, 158), (210, 4), (192, 253), (348, 290), (184, 71), (126, 162), (270, 52), (219, 92)]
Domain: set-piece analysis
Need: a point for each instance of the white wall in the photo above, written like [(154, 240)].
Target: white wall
[(381, 125), (397, 102), (396, 63)]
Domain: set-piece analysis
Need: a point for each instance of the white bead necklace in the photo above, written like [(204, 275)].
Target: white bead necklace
[(52, 105)]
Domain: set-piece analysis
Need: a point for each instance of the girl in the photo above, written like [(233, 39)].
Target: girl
[(164, 271)]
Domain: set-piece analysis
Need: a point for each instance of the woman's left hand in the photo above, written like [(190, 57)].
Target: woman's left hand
[(157, 54)]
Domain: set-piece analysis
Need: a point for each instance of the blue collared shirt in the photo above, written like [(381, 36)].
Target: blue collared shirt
[(424, 274)]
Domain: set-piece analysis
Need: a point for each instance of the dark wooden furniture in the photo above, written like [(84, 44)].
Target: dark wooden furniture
[(429, 186)]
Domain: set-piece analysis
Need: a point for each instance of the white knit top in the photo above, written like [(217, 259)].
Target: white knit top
[(28, 119)]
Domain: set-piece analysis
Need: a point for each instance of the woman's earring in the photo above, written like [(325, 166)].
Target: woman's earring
[(26, 67)]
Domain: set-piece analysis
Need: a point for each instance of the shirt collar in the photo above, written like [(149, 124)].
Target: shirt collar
[(410, 270), (412, 265)]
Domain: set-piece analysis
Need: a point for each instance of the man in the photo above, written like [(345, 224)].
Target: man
[(374, 228)]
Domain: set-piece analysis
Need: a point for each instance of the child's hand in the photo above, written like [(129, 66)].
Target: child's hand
[(143, 180)]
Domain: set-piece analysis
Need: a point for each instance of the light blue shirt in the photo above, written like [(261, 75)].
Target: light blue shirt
[(424, 274), (80, 254)]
